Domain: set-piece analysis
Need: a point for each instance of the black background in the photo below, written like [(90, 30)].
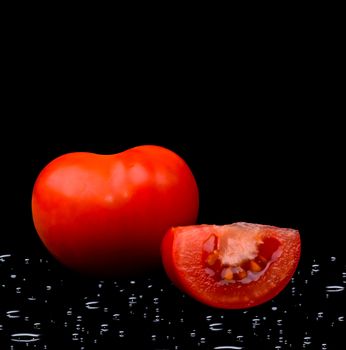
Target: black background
[(256, 115)]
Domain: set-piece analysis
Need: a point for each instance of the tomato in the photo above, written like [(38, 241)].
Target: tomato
[(232, 266), (107, 214)]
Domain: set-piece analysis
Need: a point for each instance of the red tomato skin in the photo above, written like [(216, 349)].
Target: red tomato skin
[(107, 214), (181, 251)]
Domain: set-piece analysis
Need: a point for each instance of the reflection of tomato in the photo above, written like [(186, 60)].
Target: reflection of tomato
[(107, 214), (233, 266)]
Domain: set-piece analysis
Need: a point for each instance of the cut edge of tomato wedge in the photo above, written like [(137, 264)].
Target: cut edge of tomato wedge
[(186, 259)]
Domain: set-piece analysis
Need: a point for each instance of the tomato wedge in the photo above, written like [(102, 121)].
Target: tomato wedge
[(232, 266)]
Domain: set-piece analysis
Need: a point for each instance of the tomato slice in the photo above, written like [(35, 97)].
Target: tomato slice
[(233, 266)]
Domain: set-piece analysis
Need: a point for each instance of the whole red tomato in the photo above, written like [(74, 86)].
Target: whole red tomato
[(107, 214)]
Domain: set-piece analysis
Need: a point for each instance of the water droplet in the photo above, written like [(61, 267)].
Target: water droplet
[(25, 337), (92, 305), (341, 318), (18, 290), (332, 258), (116, 317), (193, 334), (334, 289), (228, 347), (153, 337), (48, 288), (13, 276), (4, 257), (13, 314), (132, 300), (240, 338), (156, 319), (274, 308), (216, 327), (307, 340), (104, 328), (256, 322), (132, 282), (315, 269), (121, 334), (156, 301)]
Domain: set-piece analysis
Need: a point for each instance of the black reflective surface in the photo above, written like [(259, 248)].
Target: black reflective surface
[(45, 306)]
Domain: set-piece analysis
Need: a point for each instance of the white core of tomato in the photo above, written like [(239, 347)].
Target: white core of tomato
[(238, 243)]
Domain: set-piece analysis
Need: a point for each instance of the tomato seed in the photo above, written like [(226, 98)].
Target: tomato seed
[(241, 274), (227, 274), (254, 267), (212, 258)]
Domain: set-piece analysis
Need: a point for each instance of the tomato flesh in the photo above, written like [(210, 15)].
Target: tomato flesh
[(232, 266)]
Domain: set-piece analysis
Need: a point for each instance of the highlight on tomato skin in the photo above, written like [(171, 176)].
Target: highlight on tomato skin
[(232, 266)]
